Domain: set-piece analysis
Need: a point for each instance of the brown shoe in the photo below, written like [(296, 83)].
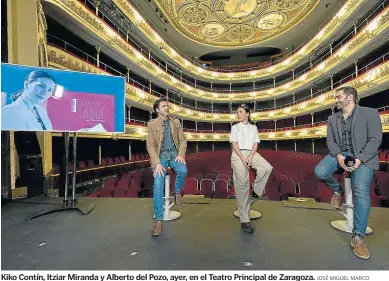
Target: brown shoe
[(178, 199), (157, 228), (359, 247), (336, 200)]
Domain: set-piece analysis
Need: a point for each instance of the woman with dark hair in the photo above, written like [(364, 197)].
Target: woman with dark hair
[(26, 113), (244, 138)]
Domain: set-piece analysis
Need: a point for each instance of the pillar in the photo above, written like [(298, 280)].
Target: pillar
[(98, 55), (129, 151), (295, 145), (212, 106), (212, 126), (276, 146), (100, 154), (294, 121), (332, 81), (197, 147), (313, 146), (181, 100), (313, 118), (274, 82), (196, 125), (196, 104), (128, 74), (230, 87), (213, 146), (254, 85), (311, 91), (275, 104), (275, 124), (356, 68), (97, 7), (293, 74), (27, 45), (195, 83), (150, 86), (167, 94), (331, 48)]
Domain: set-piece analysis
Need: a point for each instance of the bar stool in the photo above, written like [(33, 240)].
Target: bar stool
[(347, 225), (169, 215), (253, 214)]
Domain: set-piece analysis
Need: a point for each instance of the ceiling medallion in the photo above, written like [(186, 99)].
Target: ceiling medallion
[(234, 22), (288, 4)]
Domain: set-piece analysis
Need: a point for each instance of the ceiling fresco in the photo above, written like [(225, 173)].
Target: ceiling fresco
[(226, 23)]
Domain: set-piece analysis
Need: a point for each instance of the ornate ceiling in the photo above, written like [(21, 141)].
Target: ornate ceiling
[(234, 22)]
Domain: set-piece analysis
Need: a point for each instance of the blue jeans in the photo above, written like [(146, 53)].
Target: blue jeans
[(159, 185), (361, 180)]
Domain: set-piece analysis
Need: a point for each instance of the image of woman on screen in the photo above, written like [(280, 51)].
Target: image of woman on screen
[(26, 112)]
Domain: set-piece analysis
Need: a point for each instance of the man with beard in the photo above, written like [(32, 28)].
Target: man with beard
[(166, 145), (357, 132)]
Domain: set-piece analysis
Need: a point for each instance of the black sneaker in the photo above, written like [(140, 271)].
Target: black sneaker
[(247, 227)]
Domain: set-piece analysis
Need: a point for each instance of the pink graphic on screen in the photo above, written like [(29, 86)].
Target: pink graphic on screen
[(75, 111)]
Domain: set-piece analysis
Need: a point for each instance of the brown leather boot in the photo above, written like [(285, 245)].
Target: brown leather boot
[(336, 200), (157, 228), (359, 247), (178, 199)]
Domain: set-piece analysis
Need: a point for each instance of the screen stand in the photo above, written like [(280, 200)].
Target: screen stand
[(73, 204)]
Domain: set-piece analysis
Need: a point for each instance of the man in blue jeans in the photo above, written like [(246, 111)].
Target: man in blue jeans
[(166, 145), (353, 131)]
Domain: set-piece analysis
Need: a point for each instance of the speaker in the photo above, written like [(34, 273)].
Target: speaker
[(31, 174), (30, 163)]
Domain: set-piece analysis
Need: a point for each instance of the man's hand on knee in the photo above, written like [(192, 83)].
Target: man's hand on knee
[(159, 170), (180, 159)]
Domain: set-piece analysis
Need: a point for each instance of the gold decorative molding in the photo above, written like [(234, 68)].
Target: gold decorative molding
[(365, 84), (42, 36), (317, 132), (373, 30), (216, 29), (234, 23)]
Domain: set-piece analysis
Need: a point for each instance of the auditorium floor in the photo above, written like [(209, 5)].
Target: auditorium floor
[(116, 236)]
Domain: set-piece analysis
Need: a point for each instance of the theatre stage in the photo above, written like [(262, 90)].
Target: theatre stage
[(116, 236)]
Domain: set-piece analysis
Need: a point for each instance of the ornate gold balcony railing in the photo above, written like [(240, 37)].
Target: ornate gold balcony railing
[(303, 132), (368, 83), (331, 27), (371, 32)]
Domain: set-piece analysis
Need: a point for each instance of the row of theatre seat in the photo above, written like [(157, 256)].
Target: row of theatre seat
[(384, 159), (108, 161), (210, 174)]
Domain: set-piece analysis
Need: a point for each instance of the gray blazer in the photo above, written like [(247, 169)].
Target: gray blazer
[(366, 131)]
